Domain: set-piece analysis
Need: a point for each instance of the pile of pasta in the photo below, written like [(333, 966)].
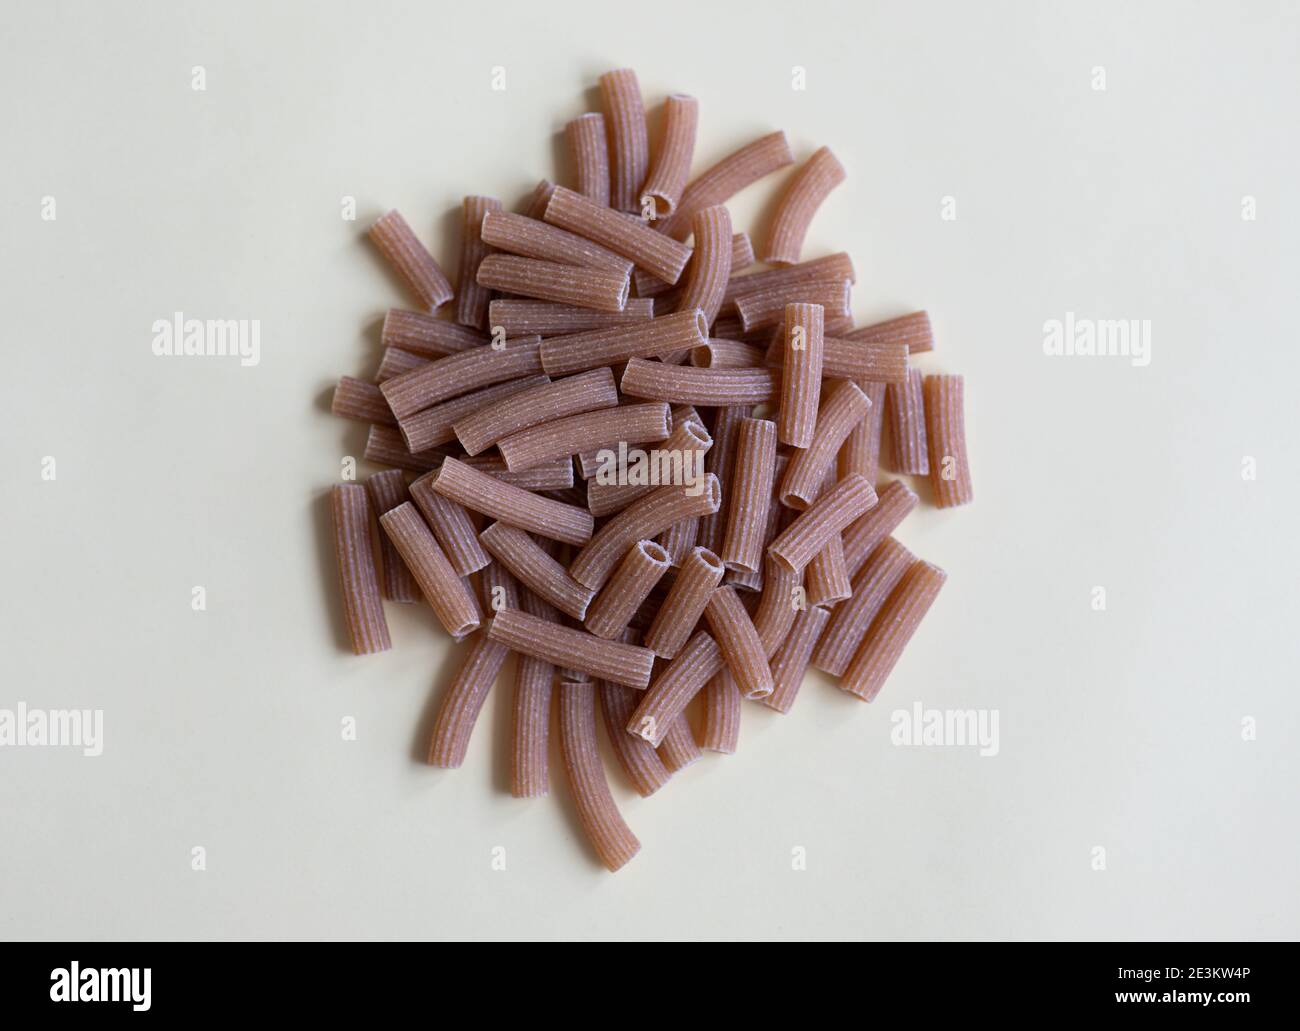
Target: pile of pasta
[(623, 314)]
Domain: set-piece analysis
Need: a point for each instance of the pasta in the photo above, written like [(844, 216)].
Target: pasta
[(860, 452), (552, 476), (728, 177), (865, 361), (796, 545), (767, 307), (700, 573), (471, 298), (833, 267), (445, 592), (451, 525), (895, 503), (363, 610), (530, 719), (808, 189), (480, 492), (710, 266), (679, 748), (727, 354), (721, 714), (782, 598), (777, 516), (459, 374), (741, 648), (554, 281), (905, 407), (828, 576), (845, 405), (674, 688), (536, 569), (518, 316), (408, 258), (384, 446), (619, 663), (535, 206), (357, 399), (584, 392), (849, 622), (629, 143), (604, 427), (651, 515), (946, 435), (394, 362), (688, 436), (678, 384), (532, 238), (437, 425), (643, 567), (387, 491), (589, 152), (751, 494), (791, 661), (642, 764), (612, 345), (651, 286), (801, 374), (892, 628), (663, 187), (679, 539), (427, 335), (721, 461), (914, 330), (632, 239)]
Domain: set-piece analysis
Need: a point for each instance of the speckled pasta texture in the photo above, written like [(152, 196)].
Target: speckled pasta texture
[(354, 550)]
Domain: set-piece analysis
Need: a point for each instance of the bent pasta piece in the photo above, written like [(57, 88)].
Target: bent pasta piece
[(679, 748), (742, 650), (552, 281), (437, 425), (530, 721), (832, 267), (480, 492), (387, 491), (845, 405), (914, 330), (828, 575), (643, 567), (721, 714), (451, 601), (710, 266), (801, 374), (725, 179), (613, 345), (872, 584), (905, 409), (893, 627), (860, 452), (684, 384), (751, 494), (410, 260), (701, 571), (640, 521), (384, 446), (651, 286), (945, 424), (809, 187), (605, 828), (357, 399), (531, 238), (462, 373), (782, 598), (536, 569), (604, 427), (629, 141), (767, 307), (796, 545), (363, 611), (663, 186), (625, 236), (425, 334), (791, 660), (727, 354), (553, 476), (627, 664), (584, 392), (895, 502), (451, 525), (589, 151), (674, 688), (642, 764), (518, 316), (472, 298)]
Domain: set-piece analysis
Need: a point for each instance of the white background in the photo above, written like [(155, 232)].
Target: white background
[(1120, 729)]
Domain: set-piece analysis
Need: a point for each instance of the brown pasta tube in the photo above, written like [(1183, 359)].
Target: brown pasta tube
[(892, 628), (681, 610), (354, 548), (536, 569), (605, 427), (864, 362), (531, 238), (387, 491), (552, 476), (451, 525), (679, 539), (545, 402), (833, 267), (782, 598), (681, 384), (480, 492), (828, 515), (679, 748), (663, 187), (612, 345), (409, 259), (689, 441), (536, 203), (472, 298), (627, 664), (519, 316), (767, 308), (445, 592), (894, 504), (828, 576), (845, 405), (914, 330), (801, 379), (710, 266), (553, 281), (721, 461), (437, 425), (946, 435), (427, 335), (357, 399), (721, 714), (727, 354), (674, 688), (459, 374), (629, 143), (385, 446), (791, 661), (631, 238), (725, 179), (849, 622), (393, 362), (905, 409), (860, 452), (794, 214), (642, 764), (751, 494), (649, 285), (530, 722), (643, 567), (741, 648), (589, 150)]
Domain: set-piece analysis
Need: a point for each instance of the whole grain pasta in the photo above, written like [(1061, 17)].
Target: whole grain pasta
[(552, 281), (828, 576), (893, 627), (865, 361), (767, 307), (642, 567), (663, 186), (437, 425), (860, 452), (461, 373), (679, 748), (945, 423), (701, 571), (532, 238), (605, 427), (629, 143), (393, 362), (612, 345), (721, 462), (427, 335), (536, 203), (480, 492), (536, 569), (710, 266), (721, 714), (679, 539), (828, 515), (649, 285), (801, 374), (520, 316), (387, 491), (845, 405), (727, 354), (584, 392), (620, 663), (833, 267), (409, 259), (688, 443), (385, 446), (782, 598), (363, 610), (644, 768), (791, 660), (724, 180), (894, 504), (674, 687), (589, 151), (632, 239), (471, 298), (357, 399), (451, 525), (530, 718), (809, 187), (742, 650), (683, 384), (751, 494), (848, 625), (914, 330), (905, 410), (445, 592), (550, 476)]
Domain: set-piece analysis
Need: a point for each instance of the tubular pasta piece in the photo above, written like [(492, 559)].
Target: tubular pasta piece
[(589, 150), (700, 573), (845, 405), (605, 828), (445, 592), (801, 379), (678, 384), (638, 758), (679, 459), (649, 285), (828, 576), (619, 663), (727, 354), (535, 206), (777, 517), (863, 361), (721, 714), (427, 335), (629, 237), (828, 515), (629, 142), (539, 404), (605, 427), (384, 446), (459, 374), (728, 177), (767, 308), (914, 330), (741, 648), (615, 344), (415, 265), (710, 267), (354, 549), (905, 409), (860, 452), (663, 187), (357, 399), (849, 622), (679, 539), (751, 494), (721, 462), (946, 434), (387, 491), (471, 298), (674, 688), (640, 521), (895, 503), (531, 238), (808, 188), (552, 476), (643, 567), (480, 492), (517, 316), (832, 267), (782, 598), (892, 628), (536, 569), (679, 749), (553, 281), (437, 425), (530, 721), (791, 661), (393, 362), (451, 525)]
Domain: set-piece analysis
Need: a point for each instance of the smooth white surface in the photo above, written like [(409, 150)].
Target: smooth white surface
[(1119, 729)]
